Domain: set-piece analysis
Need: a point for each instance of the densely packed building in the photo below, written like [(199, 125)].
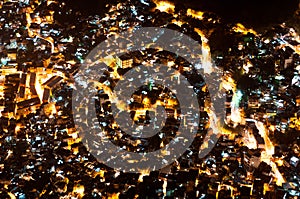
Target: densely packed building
[(42, 45)]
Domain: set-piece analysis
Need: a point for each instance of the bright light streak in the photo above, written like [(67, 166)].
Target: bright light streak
[(195, 14), (165, 6), (242, 29), (236, 112), (206, 55), (249, 140), (267, 155)]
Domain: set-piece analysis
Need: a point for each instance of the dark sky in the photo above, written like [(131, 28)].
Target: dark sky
[(251, 12), (256, 13)]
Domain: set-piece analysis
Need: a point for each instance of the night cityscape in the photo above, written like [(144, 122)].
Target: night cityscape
[(45, 151)]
